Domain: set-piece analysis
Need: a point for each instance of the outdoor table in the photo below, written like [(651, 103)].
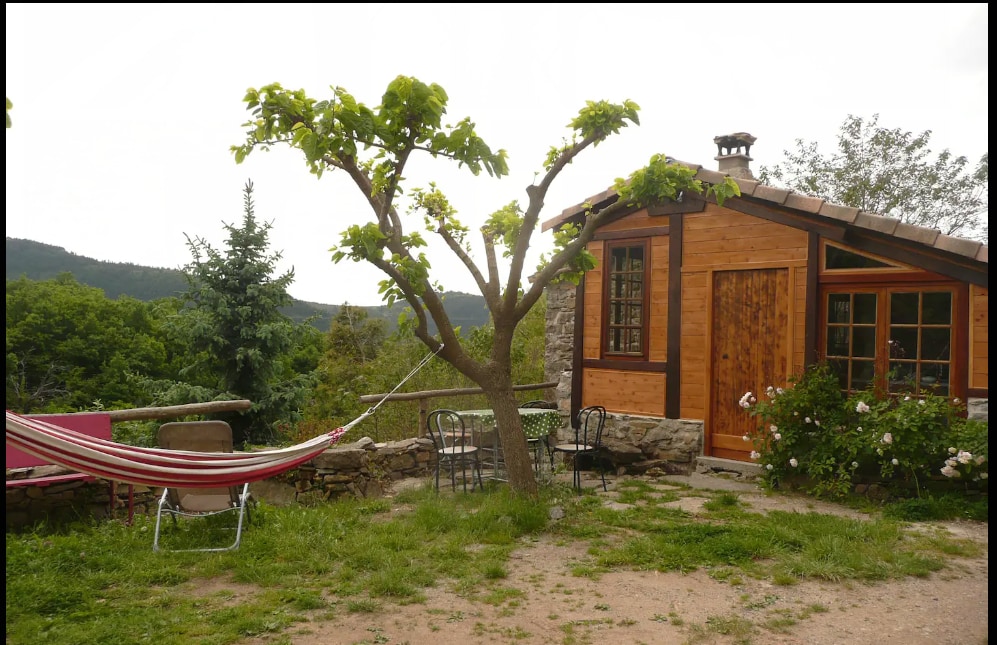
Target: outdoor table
[(538, 424)]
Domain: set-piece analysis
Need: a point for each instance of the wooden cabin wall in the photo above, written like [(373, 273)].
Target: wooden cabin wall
[(715, 240), (979, 341), (658, 323), (628, 391), (719, 239), (592, 305), (641, 393)]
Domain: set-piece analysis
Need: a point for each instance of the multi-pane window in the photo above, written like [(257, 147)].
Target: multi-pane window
[(900, 338), (626, 300), (851, 337)]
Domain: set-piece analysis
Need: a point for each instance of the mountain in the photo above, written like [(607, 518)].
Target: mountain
[(38, 261)]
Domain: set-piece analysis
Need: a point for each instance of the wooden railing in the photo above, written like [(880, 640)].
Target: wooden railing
[(425, 396)]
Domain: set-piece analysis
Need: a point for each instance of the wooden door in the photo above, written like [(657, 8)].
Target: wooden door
[(750, 351)]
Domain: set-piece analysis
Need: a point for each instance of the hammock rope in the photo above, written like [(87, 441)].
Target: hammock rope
[(170, 468)]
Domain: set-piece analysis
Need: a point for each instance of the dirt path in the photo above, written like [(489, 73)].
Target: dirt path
[(947, 608)]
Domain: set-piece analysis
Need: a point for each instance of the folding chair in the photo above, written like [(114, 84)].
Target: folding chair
[(201, 436)]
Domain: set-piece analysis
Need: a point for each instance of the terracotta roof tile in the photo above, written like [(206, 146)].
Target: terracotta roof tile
[(959, 245), (771, 193), (875, 222), (917, 233), (747, 186), (695, 166), (710, 176), (803, 202), (809, 204), (843, 213)]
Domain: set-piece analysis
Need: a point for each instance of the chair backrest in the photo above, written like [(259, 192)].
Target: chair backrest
[(539, 403), (447, 428), (200, 436), (591, 421)]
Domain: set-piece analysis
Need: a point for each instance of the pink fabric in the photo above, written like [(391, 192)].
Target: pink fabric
[(94, 424)]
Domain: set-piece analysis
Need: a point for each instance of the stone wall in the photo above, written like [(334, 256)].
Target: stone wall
[(560, 330), (978, 409)]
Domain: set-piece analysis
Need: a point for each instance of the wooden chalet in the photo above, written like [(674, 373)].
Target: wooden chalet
[(693, 304)]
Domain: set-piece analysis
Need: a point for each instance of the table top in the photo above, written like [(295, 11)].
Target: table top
[(537, 422)]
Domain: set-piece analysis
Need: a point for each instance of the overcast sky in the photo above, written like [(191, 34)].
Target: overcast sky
[(124, 114)]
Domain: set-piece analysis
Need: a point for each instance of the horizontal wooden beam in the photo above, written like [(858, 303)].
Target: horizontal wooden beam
[(169, 411), (461, 391)]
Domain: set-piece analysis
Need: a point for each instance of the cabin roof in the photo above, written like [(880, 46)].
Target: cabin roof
[(812, 206)]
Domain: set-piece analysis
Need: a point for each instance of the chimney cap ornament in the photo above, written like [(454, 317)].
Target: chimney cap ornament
[(733, 143)]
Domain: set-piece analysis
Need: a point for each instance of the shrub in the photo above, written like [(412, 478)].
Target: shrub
[(814, 432)]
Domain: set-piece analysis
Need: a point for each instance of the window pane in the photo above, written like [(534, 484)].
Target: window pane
[(865, 308), (634, 315), (862, 374), (840, 368), (616, 287), (903, 308), (837, 341), (936, 378), (937, 308), (935, 343), (835, 258), (903, 342), (838, 308), (864, 342), (902, 375), (619, 260)]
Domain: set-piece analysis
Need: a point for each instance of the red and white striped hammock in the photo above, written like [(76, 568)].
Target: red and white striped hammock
[(170, 468), (158, 466)]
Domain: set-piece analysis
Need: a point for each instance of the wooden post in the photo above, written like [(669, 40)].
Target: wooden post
[(423, 413)]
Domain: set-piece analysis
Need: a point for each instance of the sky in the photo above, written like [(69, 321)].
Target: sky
[(124, 114)]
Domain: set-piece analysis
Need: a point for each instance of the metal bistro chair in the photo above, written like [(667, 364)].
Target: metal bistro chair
[(588, 441), (454, 448), (540, 444)]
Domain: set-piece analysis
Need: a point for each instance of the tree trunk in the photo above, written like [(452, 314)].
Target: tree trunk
[(519, 467)]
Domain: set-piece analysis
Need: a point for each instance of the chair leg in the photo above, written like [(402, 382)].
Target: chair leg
[(481, 483)]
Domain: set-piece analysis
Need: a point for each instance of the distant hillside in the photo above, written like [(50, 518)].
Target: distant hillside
[(37, 261)]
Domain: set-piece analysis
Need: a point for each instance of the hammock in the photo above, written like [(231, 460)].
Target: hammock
[(169, 468), (157, 466)]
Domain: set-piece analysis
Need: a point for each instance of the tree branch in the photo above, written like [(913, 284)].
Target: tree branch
[(537, 193)]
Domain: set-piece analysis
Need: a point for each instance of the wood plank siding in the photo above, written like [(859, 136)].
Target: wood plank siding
[(979, 338), (629, 392), (592, 347)]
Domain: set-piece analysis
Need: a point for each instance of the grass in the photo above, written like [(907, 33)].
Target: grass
[(102, 582)]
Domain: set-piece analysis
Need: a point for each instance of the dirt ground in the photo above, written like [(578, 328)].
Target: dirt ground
[(947, 608)]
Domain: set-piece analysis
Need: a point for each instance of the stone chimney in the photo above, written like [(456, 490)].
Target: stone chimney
[(733, 152)]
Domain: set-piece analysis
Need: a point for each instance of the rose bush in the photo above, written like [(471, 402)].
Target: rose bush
[(812, 432)]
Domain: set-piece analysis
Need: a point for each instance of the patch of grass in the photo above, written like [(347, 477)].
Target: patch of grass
[(103, 583), (944, 507), (735, 626)]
